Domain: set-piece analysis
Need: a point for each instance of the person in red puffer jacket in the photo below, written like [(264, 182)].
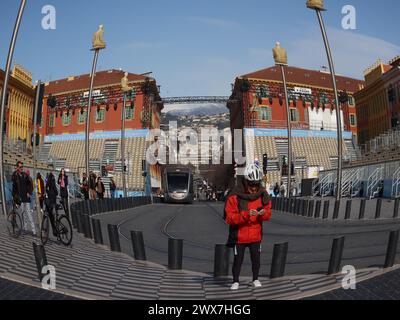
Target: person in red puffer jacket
[(246, 208)]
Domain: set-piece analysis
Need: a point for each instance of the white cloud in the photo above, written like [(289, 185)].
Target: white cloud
[(213, 22), (352, 52)]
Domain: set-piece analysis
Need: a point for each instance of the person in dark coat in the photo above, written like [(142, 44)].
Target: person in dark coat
[(51, 200), (22, 190), (63, 183), (100, 189)]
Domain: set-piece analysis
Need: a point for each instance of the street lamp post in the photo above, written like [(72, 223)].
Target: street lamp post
[(318, 6), (125, 89), (281, 60), (98, 44), (3, 100), (35, 118)]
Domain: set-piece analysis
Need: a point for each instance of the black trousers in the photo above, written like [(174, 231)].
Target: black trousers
[(255, 254)]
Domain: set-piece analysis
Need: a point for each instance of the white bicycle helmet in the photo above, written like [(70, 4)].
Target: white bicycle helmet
[(253, 173)]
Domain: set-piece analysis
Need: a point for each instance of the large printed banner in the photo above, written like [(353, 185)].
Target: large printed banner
[(97, 135)]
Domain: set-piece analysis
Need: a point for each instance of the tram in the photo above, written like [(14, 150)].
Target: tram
[(178, 185)]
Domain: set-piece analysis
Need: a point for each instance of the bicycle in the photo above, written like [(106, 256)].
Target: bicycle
[(14, 222), (62, 228)]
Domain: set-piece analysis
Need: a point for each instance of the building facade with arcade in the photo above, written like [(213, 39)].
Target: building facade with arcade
[(62, 129), (378, 104), (19, 107), (257, 106)]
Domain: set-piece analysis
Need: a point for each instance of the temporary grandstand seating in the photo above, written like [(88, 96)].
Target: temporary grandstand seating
[(73, 152), (383, 148), (12, 156), (307, 152)]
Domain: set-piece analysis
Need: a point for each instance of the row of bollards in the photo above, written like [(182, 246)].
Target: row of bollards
[(93, 207), (316, 208), (222, 252)]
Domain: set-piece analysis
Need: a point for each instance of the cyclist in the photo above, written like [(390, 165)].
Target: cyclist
[(22, 189), (51, 201), (247, 207)]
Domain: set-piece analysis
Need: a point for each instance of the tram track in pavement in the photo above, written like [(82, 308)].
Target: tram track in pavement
[(168, 223), (164, 231)]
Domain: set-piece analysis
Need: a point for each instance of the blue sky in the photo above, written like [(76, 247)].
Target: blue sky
[(197, 47)]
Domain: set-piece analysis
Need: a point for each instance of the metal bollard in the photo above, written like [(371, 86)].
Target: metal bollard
[(97, 232), (139, 250), (279, 260), (311, 209), (392, 249), (326, 210), (87, 228), (278, 204), (348, 210), (221, 261), (318, 209), (175, 254), (86, 207), (336, 256), (306, 205), (40, 258), (378, 209), (296, 206), (113, 236), (80, 223), (292, 205), (74, 211), (362, 209), (287, 209), (336, 210), (396, 209)]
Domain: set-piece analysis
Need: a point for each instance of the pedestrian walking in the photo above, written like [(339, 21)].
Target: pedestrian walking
[(100, 188), (63, 183), (113, 187), (92, 186), (85, 187), (40, 189), (22, 189), (51, 200)]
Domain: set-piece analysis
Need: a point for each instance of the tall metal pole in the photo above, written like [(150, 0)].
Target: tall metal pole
[(289, 131), (92, 76), (35, 117), (123, 145), (338, 113), (281, 60), (3, 101)]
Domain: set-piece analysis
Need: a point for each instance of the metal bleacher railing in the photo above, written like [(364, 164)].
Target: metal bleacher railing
[(385, 142)]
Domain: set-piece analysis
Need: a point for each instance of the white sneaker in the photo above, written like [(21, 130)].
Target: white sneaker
[(235, 286), (257, 284)]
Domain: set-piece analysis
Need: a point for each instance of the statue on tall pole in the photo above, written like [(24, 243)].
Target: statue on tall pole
[(97, 45), (281, 60), (125, 89)]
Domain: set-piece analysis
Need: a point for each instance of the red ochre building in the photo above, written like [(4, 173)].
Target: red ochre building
[(62, 129), (258, 103), (378, 104)]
